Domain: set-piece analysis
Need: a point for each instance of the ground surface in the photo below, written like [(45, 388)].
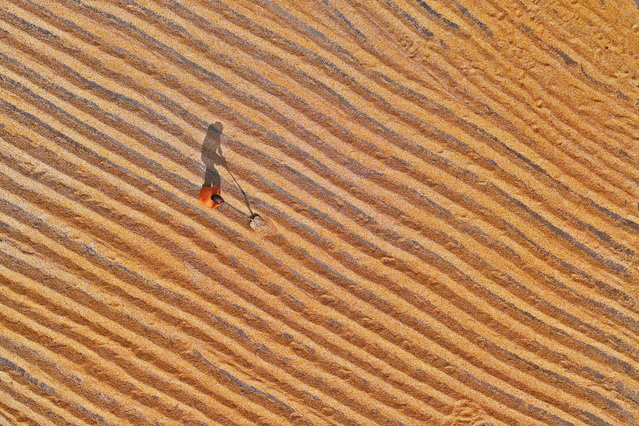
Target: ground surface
[(449, 191)]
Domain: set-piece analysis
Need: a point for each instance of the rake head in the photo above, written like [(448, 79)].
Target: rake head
[(256, 222)]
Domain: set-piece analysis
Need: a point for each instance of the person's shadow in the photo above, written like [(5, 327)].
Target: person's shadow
[(213, 158)]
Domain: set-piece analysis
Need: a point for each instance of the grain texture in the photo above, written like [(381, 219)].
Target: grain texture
[(449, 192)]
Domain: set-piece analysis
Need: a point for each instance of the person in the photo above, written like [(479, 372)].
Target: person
[(212, 157), (210, 196)]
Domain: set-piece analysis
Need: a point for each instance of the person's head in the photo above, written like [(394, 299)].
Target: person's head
[(217, 199)]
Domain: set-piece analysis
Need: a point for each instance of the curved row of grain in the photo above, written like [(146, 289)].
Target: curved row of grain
[(450, 193)]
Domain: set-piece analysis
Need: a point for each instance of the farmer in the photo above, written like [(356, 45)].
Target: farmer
[(212, 157), (210, 196)]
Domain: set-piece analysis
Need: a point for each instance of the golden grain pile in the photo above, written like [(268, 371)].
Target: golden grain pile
[(449, 192)]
